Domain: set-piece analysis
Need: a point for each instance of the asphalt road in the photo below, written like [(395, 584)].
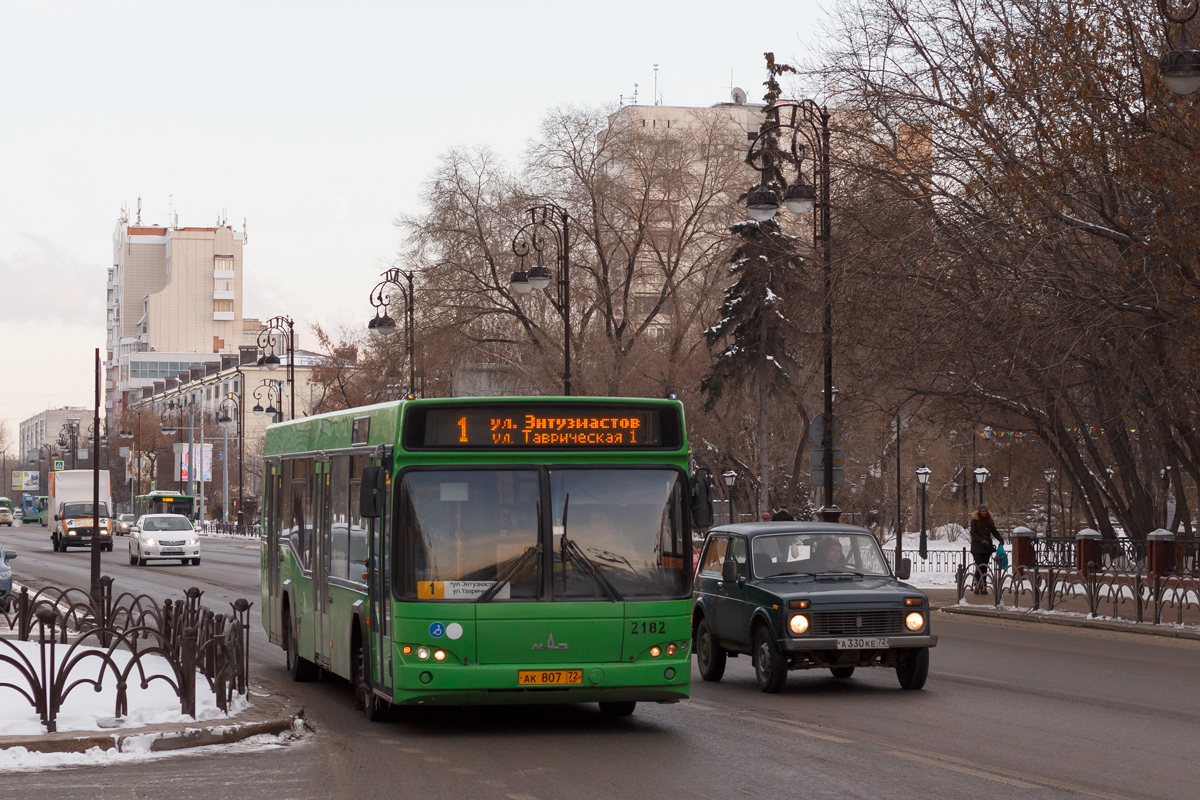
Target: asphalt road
[(1011, 710)]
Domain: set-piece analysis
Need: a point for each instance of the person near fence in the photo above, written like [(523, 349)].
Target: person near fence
[(983, 531), (783, 515)]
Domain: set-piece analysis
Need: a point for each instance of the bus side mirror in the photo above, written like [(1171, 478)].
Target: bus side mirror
[(702, 511), (905, 569), (56, 517), (371, 492)]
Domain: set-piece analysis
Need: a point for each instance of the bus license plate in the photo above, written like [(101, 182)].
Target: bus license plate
[(172, 551), (550, 677), (878, 643)]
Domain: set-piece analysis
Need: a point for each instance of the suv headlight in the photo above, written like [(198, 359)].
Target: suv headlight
[(914, 621), (798, 624)]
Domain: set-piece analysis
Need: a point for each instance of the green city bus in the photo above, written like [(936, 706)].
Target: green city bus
[(33, 509), (484, 550), (164, 503)]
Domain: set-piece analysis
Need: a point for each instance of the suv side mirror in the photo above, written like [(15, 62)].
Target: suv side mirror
[(729, 571), (905, 569), (9, 555), (702, 510), (371, 492)]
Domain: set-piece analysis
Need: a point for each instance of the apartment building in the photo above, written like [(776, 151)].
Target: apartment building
[(44, 429), (174, 304)]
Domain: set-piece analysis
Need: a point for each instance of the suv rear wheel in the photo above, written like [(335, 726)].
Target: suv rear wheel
[(710, 656)]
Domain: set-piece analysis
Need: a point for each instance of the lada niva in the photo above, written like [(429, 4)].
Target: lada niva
[(804, 595)]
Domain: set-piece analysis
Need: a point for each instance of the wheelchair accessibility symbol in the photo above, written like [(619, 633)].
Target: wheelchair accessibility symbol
[(437, 630)]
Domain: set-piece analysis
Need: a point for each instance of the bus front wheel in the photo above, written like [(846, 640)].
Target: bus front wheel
[(377, 709), (301, 668)]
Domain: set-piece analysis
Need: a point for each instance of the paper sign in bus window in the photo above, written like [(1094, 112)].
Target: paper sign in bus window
[(454, 492)]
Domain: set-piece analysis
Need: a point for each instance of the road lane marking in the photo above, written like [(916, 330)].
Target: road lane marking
[(978, 773)]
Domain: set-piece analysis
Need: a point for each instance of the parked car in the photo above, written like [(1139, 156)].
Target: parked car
[(805, 595), (6, 516), (6, 578), (159, 536), (122, 523)]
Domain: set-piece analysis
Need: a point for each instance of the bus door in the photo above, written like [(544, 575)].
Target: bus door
[(379, 558), (322, 600), (272, 551)]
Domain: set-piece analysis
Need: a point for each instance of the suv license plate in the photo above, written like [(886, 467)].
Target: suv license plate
[(550, 677), (172, 551), (877, 643)]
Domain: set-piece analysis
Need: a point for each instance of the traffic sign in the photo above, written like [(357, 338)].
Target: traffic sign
[(817, 480), (59, 465), (817, 459), (817, 431)]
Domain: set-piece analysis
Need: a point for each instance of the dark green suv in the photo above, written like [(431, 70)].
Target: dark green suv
[(799, 595)]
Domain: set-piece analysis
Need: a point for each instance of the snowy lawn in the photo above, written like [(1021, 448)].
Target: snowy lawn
[(85, 709)]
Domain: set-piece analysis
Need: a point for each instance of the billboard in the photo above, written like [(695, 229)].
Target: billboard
[(181, 461), (25, 481)]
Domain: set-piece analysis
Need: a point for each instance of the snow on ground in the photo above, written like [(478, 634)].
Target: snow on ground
[(19, 759), (85, 709)]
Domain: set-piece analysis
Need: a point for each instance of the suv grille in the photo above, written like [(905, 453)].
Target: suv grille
[(856, 623)]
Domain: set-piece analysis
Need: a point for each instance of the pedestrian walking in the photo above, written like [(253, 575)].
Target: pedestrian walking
[(766, 516), (782, 515), (983, 530)]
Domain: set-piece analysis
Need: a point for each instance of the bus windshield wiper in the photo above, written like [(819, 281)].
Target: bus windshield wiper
[(572, 551), (517, 566)]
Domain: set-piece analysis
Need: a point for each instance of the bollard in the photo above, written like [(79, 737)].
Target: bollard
[(1023, 554), (1160, 552), (1087, 550), (187, 677)]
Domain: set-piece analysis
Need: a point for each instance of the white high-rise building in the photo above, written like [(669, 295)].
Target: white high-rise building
[(174, 303)]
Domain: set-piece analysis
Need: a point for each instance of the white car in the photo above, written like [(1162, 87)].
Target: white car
[(158, 536), (6, 517)]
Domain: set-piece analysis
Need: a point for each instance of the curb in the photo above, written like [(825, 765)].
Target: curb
[(1145, 629)]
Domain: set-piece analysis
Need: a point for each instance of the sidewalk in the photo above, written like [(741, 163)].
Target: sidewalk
[(268, 714)]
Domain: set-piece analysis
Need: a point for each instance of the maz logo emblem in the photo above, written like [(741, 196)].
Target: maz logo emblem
[(550, 645)]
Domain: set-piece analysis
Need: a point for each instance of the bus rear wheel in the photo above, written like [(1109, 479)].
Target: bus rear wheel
[(301, 668), (618, 708)]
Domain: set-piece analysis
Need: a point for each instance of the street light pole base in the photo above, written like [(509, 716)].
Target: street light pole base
[(830, 514)]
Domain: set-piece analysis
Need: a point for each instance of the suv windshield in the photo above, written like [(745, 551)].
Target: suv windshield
[(816, 554), (82, 509), (166, 524), (618, 534)]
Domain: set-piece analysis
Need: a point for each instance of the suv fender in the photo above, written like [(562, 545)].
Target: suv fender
[(761, 618)]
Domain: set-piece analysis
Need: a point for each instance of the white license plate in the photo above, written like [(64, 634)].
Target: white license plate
[(876, 643), (172, 551)]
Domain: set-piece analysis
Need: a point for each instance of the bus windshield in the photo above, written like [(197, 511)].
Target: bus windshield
[(477, 534), (618, 534)]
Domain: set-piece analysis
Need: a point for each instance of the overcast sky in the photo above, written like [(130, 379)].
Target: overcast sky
[(317, 122)]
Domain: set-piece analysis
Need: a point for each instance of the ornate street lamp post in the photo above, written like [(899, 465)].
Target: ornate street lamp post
[(809, 127), (382, 323), (273, 388), (555, 221), (923, 478), (225, 421), (981, 476), (1050, 474), (730, 477), (1180, 67), (274, 329)]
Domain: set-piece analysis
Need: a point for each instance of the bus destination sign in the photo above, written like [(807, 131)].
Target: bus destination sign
[(537, 426)]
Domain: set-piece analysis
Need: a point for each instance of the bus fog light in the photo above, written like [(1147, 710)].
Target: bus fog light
[(655, 651), (669, 673), (426, 677), (915, 621), (407, 649), (798, 624), (439, 655), (422, 652), (671, 649)]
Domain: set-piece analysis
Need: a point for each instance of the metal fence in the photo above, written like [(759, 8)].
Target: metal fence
[(231, 528), (937, 561), (78, 637)]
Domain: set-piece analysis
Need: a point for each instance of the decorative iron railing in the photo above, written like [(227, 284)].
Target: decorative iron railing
[(83, 642)]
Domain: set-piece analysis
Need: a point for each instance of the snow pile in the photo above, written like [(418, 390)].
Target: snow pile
[(19, 759), (87, 710)]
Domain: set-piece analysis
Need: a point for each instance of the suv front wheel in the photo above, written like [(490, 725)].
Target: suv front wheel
[(770, 666), (913, 668)]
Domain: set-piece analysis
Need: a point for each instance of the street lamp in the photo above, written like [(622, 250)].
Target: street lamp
[(225, 421), (68, 439), (191, 448), (1050, 474), (382, 324), (809, 127), (981, 476), (556, 221), (270, 388), (730, 477), (923, 478), (276, 328), (1180, 67)]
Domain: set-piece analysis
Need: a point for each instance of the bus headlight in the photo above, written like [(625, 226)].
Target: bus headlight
[(798, 624), (439, 655), (915, 621), (422, 652), (655, 651)]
